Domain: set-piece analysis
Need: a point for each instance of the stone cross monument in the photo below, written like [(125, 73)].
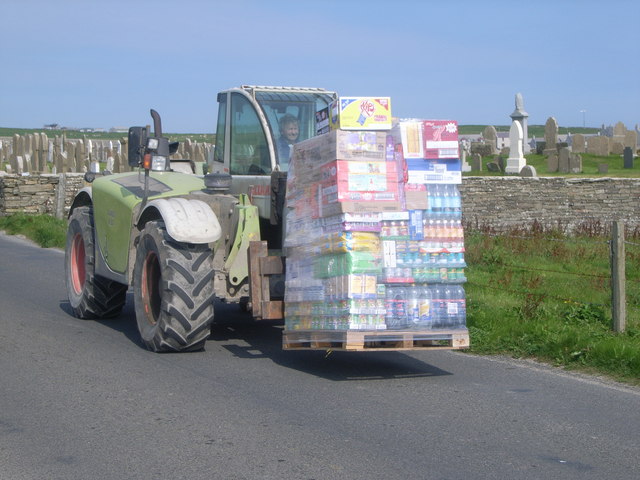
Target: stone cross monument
[(521, 116)]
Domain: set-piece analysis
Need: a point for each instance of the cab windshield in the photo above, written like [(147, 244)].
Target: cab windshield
[(292, 118)]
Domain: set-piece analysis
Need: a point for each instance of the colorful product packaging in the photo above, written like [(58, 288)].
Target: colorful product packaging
[(361, 113)]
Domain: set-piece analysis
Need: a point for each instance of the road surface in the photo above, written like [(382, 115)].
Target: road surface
[(84, 400)]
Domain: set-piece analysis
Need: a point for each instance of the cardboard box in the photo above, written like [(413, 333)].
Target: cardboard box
[(340, 145), (415, 196), (360, 181), (431, 139), (433, 171), (361, 113), (336, 208)]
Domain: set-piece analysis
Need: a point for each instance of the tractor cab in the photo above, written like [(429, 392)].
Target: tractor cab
[(256, 128)]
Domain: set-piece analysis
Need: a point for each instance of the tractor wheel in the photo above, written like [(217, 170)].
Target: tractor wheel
[(173, 291), (90, 295)]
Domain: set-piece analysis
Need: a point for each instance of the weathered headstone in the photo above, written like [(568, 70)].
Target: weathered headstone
[(631, 139), (575, 163), (476, 162), (490, 136), (628, 157), (616, 147), (603, 168), (528, 171), (577, 143), (563, 160), (552, 162), (598, 145), (516, 159), (493, 167), (619, 130), (550, 135)]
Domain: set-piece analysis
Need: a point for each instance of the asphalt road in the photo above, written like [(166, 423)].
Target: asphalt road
[(84, 400)]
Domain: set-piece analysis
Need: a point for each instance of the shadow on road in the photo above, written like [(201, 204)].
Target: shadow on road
[(246, 338), (124, 323)]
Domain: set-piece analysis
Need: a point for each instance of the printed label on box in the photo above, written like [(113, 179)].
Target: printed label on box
[(361, 113)]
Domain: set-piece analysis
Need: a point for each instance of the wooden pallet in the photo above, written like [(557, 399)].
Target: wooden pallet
[(384, 340)]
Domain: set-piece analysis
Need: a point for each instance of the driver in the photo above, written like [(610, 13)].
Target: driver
[(289, 132)]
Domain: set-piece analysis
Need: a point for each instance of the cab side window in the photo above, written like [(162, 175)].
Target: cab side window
[(249, 149)]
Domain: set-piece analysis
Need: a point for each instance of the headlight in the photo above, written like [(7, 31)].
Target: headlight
[(152, 143), (158, 163)]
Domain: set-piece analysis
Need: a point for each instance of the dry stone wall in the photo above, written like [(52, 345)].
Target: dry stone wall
[(504, 203), (498, 203), (39, 194)]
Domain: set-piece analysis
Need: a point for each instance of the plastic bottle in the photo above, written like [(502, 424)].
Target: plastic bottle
[(424, 308), (396, 311), (456, 200), (446, 199), (436, 208), (437, 300), (459, 294), (413, 306), (451, 308)]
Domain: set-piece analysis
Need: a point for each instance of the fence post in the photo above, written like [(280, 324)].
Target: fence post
[(61, 189), (618, 296)]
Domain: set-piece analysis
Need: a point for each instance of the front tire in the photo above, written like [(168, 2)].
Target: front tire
[(90, 295), (173, 291)]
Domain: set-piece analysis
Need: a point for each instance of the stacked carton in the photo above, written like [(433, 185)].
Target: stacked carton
[(374, 235)]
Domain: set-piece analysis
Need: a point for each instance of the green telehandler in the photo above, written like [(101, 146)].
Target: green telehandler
[(183, 240)]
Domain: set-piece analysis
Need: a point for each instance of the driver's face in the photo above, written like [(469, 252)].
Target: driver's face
[(291, 132)]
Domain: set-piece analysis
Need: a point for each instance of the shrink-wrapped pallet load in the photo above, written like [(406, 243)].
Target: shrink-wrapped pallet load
[(374, 241)]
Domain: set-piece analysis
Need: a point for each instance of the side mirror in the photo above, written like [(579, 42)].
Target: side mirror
[(137, 143)]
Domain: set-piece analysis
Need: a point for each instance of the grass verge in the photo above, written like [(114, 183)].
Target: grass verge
[(547, 296), (44, 230)]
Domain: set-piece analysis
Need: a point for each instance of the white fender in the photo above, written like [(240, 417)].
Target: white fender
[(190, 221)]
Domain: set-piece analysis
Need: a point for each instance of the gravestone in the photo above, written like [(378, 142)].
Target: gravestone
[(550, 135), (552, 163), (616, 147), (522, 117), (603, 168), (577, 143), (563, 160), (493, 167), (575, 163), (619, 129), (490, 136), (631, 139), (598, 145), (528, 171), (476, 162), (516, 159), (628, 157)]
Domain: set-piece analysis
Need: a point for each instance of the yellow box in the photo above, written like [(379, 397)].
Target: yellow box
[(361, 113)]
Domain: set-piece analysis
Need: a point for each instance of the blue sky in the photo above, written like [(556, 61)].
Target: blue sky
[(106, 63)]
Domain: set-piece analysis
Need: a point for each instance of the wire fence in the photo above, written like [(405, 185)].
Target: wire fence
[(505, 262)]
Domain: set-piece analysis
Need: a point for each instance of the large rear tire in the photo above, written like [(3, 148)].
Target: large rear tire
[(173, 291), (90, 295)]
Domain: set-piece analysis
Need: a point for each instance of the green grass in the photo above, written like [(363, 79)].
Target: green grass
[(44, 230), (547, 296), (590, 164)]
